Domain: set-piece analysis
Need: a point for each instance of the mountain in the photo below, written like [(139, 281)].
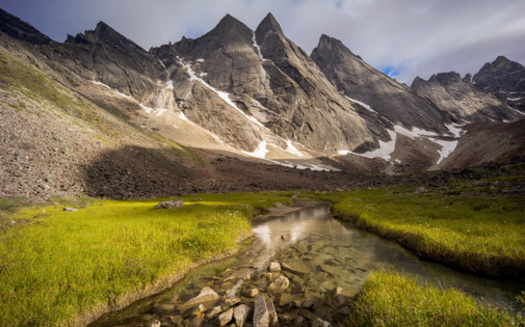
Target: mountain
[(234, 109), (271, 81), (495, 93), (106, 56), (365, 84), (505, 79), (462, 99)]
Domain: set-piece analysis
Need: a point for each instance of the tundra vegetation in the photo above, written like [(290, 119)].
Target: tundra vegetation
[(58, 265)]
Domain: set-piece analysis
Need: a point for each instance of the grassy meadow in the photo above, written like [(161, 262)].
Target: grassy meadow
[(481, 234), (57, 265), (390, 299)]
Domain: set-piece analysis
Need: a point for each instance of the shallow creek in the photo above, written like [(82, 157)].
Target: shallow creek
[(318, 254)]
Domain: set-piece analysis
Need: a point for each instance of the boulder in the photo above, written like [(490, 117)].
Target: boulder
[(241, 313), (272, 314), (274, 267), (225, 317), (207, 295), (252, 292), (261, 317), (279, 285), (338, 299), (170, 204), (296, 268)]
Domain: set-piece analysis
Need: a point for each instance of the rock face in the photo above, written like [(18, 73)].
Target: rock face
[(505, 79), (463, 100), (19, 29), (262, 81), (373, 89), (103, 55)]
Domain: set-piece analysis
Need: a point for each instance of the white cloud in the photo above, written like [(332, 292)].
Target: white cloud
[(415, 37)]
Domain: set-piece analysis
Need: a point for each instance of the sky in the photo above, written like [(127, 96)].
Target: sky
[(403, 38)]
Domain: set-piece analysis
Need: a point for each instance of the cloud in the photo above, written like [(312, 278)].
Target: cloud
[(410, 37)]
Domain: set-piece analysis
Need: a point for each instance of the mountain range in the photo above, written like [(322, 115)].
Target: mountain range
[(249, 109)]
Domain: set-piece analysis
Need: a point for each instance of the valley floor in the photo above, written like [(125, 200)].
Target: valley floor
[(58, 266)]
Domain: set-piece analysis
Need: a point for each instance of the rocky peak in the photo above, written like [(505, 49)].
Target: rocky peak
[(360, 81), (500, 60), (228, 32), (446, 78), (15, 27), (330, 51), (505, 79), (105, 34), (269, 23), (459, 97), (468, 78)]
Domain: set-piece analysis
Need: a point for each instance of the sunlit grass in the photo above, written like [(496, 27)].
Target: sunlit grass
[(58, 265), (389, 299), (480, 234)]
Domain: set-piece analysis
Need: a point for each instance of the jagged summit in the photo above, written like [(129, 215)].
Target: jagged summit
[(459, 97), (17, 28), (500, 60), (504, 78), (229, 31), (361, 82), (269, 23)]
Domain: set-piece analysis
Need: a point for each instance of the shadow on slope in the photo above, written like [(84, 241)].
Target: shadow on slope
[(138, 172)]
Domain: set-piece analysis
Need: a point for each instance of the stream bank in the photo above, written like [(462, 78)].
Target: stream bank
[(323, 263)]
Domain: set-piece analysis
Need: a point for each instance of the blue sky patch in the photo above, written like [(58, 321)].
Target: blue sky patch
[(390, 70)]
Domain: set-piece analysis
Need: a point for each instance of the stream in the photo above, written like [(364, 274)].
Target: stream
[(318, 254)]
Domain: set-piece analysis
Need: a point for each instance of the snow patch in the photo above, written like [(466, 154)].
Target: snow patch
[(362, 104), (200, 60), (164, 66), (169, 85), (257, 48), (515, 110), (292, 149), (102, 84), (447, 147), (114, 91), (146, 108), (455, 129), (160, 111), (514, 99), (305, 166), (183, 117), (385, 149), (414, 133), (259, 152)]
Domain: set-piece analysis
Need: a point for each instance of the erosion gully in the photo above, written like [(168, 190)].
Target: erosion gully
[(318, 254)]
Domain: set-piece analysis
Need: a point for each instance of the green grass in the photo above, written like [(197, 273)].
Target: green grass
[(389, 299), (64, 264), (480, 234)]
